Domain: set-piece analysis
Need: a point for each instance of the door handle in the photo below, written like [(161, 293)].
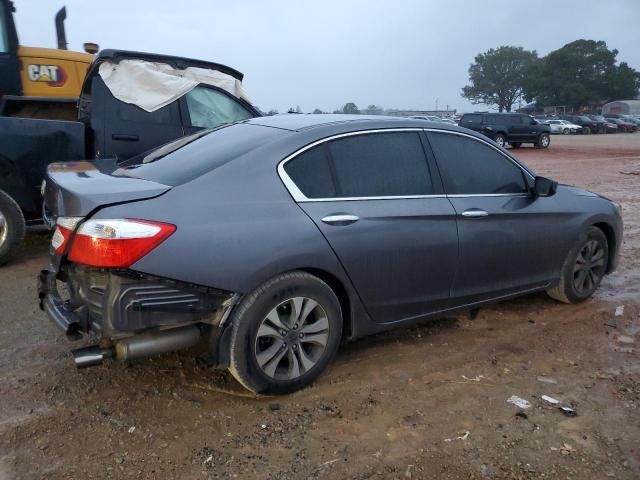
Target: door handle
[(125, 137), (475, 213), (340, 219)]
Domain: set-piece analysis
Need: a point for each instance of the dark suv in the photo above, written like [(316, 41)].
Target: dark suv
[(514, 128), (588, 125)]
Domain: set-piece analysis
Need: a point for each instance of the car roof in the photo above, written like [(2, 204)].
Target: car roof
[(301, 122)]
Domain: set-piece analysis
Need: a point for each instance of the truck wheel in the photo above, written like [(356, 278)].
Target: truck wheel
[(543, 141), (285, 333), (12, 227), (500, 139), (583, 269)]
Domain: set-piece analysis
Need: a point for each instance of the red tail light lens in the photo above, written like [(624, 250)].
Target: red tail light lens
[(117, 243)]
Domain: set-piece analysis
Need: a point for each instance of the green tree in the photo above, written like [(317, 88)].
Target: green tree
[(272, 112), (350, 108), (373, 110), (582, 72), (497, 76), (317, 111)]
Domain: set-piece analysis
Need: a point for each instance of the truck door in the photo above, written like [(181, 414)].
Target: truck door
[(9, 64)]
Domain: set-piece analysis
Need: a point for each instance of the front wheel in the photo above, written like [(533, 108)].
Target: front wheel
[(583, 269), (543, 141), (500, 139), (12, 227), (566, 131), (285, 333)]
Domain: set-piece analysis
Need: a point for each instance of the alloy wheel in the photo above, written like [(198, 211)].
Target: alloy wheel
[(4, 230), (292, 338), (500, 140), (544, 141), (589, 267)]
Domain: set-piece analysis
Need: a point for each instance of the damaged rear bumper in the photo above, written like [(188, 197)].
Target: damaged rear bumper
[(137, 315)]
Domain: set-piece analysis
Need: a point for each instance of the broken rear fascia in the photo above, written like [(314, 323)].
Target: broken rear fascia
[(119, 303)]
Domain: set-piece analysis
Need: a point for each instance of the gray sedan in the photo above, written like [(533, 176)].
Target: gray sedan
[(270, 241)]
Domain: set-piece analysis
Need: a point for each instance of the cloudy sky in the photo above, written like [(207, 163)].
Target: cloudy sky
[(321, 54)]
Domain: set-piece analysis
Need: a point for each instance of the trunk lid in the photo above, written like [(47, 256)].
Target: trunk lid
[(75, 189)]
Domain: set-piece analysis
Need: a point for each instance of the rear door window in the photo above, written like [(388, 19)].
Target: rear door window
[(311, 172), (471, 167), (380, 165), (368, 165)]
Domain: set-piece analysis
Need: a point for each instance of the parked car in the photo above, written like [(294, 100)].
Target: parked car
[(623, 125), (271, 240), (105, 126), (610, 127), (562, 126), (514, 128), (626, 118), (588, 125)]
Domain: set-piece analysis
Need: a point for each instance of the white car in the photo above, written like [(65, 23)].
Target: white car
[(563, 126)]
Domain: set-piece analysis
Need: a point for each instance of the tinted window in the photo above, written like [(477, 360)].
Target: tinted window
[(189, 157), (211, 108), (472, 118), (470, 166), (380, 164), (4, 42), (311, 173)]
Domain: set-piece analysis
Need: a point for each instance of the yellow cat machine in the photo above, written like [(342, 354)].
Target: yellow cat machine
[(39, 82)]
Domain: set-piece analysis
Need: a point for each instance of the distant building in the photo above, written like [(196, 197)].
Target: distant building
[(625, 107)]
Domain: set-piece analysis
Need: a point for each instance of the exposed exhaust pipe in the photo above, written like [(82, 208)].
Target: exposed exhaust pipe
[(61, 16), (139, 346), (90, 356)]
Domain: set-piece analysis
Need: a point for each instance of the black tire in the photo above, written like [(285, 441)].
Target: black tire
[(544, 140), (586, 130), (248, 317), (500, 139), (566, 131), (567, 291), (515, 144), (13, 230)]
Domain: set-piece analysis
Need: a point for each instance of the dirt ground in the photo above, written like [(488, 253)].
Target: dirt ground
[(423, 402)]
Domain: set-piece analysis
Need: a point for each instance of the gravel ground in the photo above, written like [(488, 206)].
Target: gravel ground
[(428, 401)]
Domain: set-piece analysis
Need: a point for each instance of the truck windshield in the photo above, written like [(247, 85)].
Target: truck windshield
[(4, 40), (210, 108)]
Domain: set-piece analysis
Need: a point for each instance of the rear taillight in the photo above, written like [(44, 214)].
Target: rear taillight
[(116, 243), (63, 232)]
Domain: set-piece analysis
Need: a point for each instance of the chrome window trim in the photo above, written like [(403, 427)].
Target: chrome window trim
[(300, 197)]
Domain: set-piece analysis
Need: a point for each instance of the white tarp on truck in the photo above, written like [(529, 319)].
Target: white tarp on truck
[(151, 85)]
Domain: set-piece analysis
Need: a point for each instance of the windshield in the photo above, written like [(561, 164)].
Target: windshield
[(210, 108), (4, 40), (584, 119)]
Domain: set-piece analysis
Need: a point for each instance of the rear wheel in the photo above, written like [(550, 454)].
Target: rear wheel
[(500, 139), (12, 227), (285, 333), (566, 131), (583, 269), (543, 141), (586, 130)]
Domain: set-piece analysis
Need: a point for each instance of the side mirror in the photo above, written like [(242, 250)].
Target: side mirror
[(544, 187)]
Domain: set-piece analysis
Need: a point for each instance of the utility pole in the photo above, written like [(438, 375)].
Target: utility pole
[(436, 104)]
